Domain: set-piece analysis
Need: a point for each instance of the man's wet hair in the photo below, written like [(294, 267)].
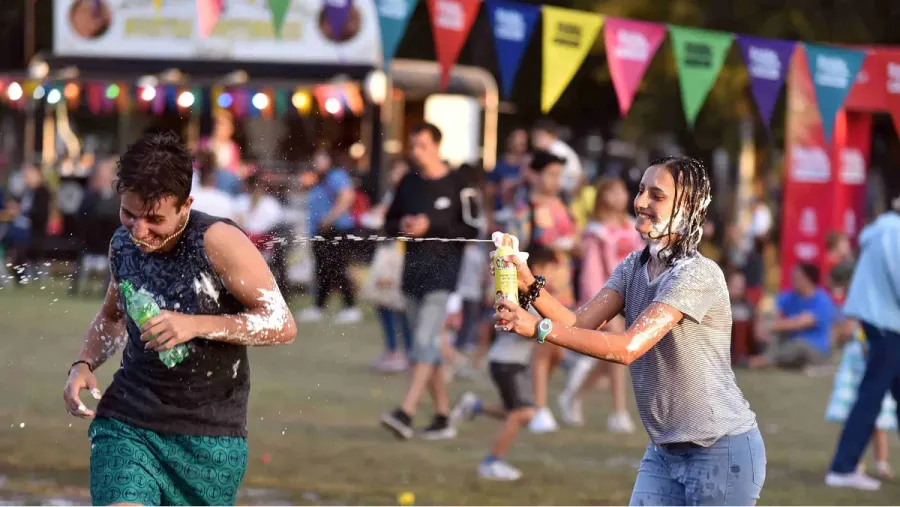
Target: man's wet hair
[(157, 166)]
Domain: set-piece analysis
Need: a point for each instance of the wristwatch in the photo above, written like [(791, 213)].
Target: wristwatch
[(544, 327)]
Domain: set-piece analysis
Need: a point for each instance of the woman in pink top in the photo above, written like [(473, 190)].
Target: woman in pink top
[(607, 239)]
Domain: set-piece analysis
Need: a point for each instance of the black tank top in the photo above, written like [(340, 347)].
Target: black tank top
[(206, 394)]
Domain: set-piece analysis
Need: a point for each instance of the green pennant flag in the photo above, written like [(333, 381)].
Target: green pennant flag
[(699, 55), (199, 103), (279, 9), (282, 101)]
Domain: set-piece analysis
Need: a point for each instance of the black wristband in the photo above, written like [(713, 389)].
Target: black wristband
[(81, 361)]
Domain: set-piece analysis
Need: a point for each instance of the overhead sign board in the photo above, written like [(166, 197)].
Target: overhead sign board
[(244, 32)]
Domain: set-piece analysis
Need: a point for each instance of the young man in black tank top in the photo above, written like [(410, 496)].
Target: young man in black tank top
[(174, 436)]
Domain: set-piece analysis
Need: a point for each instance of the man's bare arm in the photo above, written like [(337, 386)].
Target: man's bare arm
[(268, 320), (106, 333)]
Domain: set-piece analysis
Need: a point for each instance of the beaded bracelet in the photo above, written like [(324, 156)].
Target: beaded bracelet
[(534, 292)]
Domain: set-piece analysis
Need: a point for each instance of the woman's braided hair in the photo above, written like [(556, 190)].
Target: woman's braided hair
[(692, 198)]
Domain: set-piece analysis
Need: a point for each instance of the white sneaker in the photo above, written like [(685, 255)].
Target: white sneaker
[(464, 409), (309, 314), (855, 480), (570, 409), (620, 422), (348, 316), (498, 470), (543, 422)]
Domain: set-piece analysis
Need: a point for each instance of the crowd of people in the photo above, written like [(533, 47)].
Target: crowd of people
[(611, 257)]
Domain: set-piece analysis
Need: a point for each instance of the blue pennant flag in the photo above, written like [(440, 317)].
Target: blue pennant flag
[(512, 24), (833, 71), (393, 17)]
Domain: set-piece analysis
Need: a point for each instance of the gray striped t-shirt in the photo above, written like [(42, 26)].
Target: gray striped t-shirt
[(684, 385)]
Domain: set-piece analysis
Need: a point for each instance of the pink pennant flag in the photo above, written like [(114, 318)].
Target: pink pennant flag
[(630, 47), (159, 102), (208, 12)]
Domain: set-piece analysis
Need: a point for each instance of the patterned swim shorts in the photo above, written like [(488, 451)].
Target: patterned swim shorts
[(133, 465)]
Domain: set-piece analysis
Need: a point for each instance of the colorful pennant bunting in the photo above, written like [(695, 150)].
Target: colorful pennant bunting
[(767, 63), (833, 71), (699, 55), (451, 21), (512, 24), (568, 36), (393, 16), (630, 47)]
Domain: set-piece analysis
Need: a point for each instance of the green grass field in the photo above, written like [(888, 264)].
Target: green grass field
[(314, 409)]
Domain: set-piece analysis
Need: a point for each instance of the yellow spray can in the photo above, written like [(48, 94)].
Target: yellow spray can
[(506, 284)]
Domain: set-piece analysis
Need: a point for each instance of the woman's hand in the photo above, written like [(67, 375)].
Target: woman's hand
[(525, 278), (512, 318)]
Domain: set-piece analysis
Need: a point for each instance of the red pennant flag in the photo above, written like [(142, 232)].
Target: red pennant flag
[(451, 22), (94, 97), (630, 47), (208, 12)]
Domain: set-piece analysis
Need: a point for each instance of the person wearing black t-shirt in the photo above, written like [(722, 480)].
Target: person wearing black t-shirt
[(434, 202)]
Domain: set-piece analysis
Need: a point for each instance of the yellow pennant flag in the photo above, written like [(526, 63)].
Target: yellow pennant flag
[(568, 36), (157, 4)]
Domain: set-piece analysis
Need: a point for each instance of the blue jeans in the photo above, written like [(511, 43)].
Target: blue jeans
[(882, 374), (389, 321), (730, 472)]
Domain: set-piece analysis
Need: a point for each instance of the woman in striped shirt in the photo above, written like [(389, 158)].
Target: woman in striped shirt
[(705, 447)]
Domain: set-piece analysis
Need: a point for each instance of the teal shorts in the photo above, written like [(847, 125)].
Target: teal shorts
[(133, 465)]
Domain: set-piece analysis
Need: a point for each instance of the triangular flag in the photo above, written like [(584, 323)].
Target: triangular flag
[(568, 37), (699, 55), (282, 101), (157, 4), (393, 16), (630, 47), (208, 12), (279, 10), (833, 72), (451, 21), (767, 63), (512, 24)]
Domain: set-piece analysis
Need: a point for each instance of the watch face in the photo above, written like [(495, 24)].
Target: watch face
[(545, 325)]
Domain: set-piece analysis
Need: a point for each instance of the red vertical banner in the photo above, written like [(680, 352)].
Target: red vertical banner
[(825, 186), (852, 150), (892, 88), (807, 209), (451, 22)]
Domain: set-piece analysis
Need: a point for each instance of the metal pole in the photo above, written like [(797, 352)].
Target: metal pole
[(29, 145)]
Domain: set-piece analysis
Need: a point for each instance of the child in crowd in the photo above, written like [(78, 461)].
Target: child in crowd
[(608, 239), (743, 316), (509, 363)]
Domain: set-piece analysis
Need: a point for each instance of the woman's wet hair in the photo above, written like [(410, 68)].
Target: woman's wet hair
[(692, 198)]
